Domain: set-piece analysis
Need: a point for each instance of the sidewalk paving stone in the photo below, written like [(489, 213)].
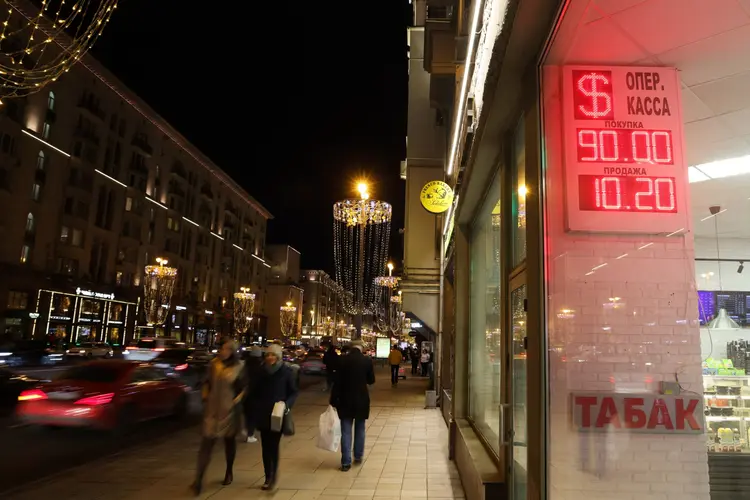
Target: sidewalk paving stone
[(406, 457)]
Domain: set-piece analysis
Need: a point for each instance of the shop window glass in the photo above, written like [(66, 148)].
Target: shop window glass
[(645, 239), (485, 333), (519, 195), (18, 300)]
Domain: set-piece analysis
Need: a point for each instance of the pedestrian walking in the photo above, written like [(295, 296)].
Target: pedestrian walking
[(414, 354), (222, 393), (253, 365), (331, 360), (276, 382), (351, 398), (394, 358), (425, 360)]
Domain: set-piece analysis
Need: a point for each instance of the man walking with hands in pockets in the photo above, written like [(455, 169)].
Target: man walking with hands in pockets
[(351, 398)]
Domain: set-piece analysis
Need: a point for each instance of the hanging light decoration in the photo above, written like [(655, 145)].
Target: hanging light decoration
[(38, 45), (383, 301), (396, 316), (158, 285), (288, 320), (244, 306), (361, 232)]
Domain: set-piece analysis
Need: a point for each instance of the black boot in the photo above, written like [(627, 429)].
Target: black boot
[(228, 478), (270, 483)]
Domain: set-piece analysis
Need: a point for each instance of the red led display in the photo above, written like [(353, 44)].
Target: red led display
[(609, 193), (625, 146), (592, 95)]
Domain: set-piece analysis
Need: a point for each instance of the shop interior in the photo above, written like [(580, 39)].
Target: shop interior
[(707, 41)]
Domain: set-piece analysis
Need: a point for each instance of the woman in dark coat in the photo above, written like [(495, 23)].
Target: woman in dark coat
[(223, 391), (276, 382)]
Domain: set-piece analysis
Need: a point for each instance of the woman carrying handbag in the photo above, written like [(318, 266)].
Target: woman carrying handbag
[(271, 400), (223, 391)]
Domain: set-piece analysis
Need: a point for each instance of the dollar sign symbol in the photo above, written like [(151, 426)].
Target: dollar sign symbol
[(601, 102)]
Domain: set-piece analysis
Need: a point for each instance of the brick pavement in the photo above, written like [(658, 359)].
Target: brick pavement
[(406, 457)]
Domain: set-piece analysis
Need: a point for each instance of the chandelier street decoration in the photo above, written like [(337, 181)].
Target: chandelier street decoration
[(158, 285), (244, 306), (397, 317), (38, 45), (288, 320), (384, 305), (361, 232)]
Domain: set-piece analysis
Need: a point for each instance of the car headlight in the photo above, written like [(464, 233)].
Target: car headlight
[(82, 351), (2, 354), (67, 352)]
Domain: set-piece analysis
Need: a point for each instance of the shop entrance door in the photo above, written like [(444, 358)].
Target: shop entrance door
[(517, 350)]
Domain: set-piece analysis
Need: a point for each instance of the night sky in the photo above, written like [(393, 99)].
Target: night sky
[(294, 103)]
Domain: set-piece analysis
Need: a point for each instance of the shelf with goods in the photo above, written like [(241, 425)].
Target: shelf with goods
[(727, 412)]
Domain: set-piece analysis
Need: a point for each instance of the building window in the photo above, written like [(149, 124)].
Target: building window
[(128, 204), (518, 226), (36, 192), (64, 234), (118, 278), (25, 253), (18, 300), (485, 321), (40, 161), (30, 223), (77, 239), (46, 130), (51, 101)]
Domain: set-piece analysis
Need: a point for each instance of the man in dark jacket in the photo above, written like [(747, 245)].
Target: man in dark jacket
[(253, 363), (331, 360), (351, 398)]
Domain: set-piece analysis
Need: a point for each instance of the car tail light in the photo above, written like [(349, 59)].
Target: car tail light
[(32, 395), (181, 367), (158, 349), (131, 348), (98, 400)]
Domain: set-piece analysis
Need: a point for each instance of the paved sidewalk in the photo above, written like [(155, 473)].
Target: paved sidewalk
[(406, 457)]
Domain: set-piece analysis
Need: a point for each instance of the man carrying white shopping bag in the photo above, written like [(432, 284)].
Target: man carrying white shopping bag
[(351, 398)]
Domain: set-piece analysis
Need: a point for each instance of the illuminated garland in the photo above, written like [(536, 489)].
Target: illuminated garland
[(244, 307), (288, 320), (361, 233), (37, 46), (158, 285)]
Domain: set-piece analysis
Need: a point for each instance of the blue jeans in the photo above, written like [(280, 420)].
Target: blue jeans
[(346, 440)]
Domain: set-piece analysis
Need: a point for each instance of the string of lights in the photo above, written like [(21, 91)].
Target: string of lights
[(288, 320), (158, 285), (37, 46), (244, 307)]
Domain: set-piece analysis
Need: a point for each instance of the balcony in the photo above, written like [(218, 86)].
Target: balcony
[(206, 191), (91, 106), (140, 142), (178, 170), (87, 135)]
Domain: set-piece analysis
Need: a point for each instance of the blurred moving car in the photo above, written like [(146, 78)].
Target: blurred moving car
[(90, 350), (11, 386), (187, 364), (312, 363), (148, 348), (29, 353), (111, 395)]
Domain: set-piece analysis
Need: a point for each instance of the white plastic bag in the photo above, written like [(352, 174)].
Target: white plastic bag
[(277, 416), (329, 432)]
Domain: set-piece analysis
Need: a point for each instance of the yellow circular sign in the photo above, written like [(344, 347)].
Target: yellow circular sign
[(436, 197)]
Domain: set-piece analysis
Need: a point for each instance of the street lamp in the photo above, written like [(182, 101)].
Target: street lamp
[(361, 233), (158, 285)]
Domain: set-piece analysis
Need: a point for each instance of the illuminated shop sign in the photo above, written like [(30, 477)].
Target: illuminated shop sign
[(436, 197), (624, 157), (60, 318), (33, 315), (95, 295), (180, 308), (642, 413)]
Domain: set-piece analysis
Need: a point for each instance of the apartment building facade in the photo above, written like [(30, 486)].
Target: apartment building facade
[(95, 186), (284, 290), (323, 314)]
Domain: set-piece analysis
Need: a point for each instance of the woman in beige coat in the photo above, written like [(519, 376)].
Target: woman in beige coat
[(223, 392)]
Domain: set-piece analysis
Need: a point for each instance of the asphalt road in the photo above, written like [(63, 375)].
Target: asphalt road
[(31, 453)]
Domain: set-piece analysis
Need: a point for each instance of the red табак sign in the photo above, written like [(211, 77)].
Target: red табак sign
[(643, 413)]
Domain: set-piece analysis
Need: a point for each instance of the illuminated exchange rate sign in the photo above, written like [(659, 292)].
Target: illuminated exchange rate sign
[(624, 157)]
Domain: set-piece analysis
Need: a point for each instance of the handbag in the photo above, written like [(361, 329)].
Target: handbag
[(287, 426)]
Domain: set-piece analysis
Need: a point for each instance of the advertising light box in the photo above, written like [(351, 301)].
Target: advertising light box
[(382, 347), (625, 169)]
